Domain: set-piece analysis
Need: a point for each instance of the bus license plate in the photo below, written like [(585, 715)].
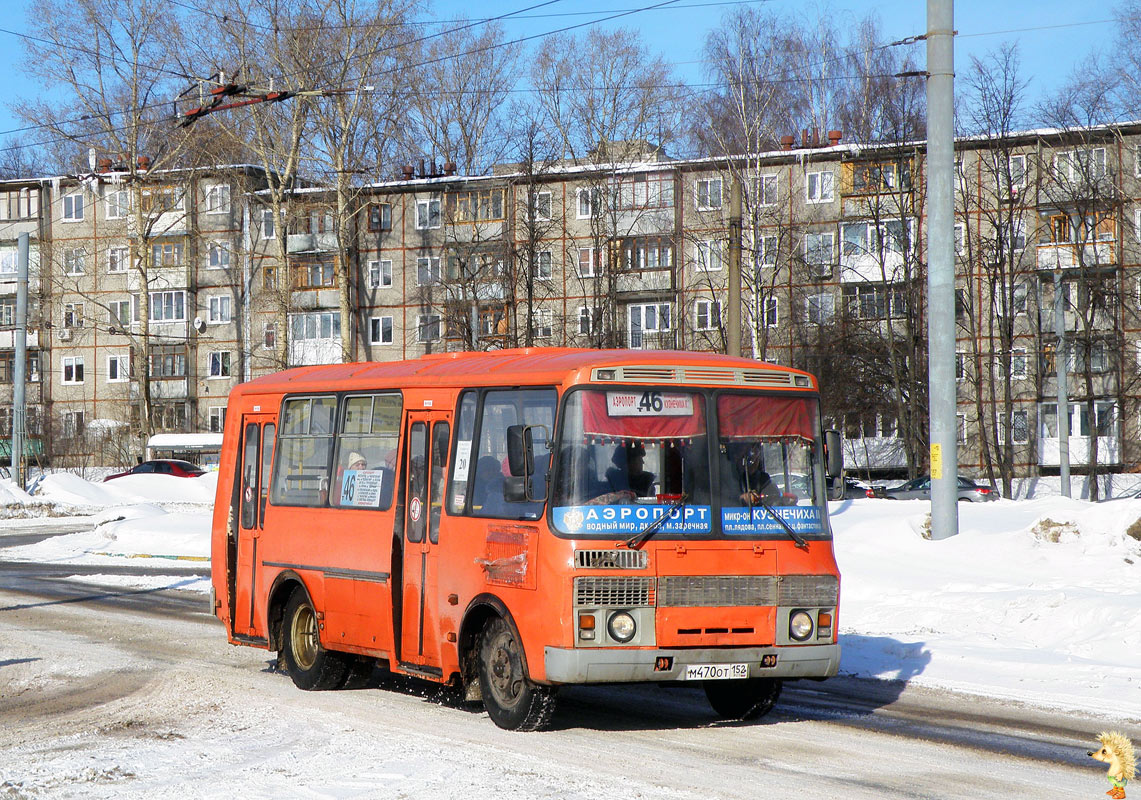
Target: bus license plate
[(715, 672)]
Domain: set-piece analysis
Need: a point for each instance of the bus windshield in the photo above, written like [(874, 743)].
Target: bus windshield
[(626, 455)]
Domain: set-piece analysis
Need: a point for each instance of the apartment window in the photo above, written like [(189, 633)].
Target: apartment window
[(855, 236), (428, 213), (1018, 363), (217, 256), (766, 251), (160, 199), (543, 265), (166, 254), (73, 315), (7, 311), (268, 226), (217, 419), (72, 424), (120, 313), (313, 275), (707, 315), (73, 369), (74, 261), (589, 320), (380, 330), (820, 187), (709, 255), (167, 307), (167, 361), (117, 203), (960, 237), (874, 301), (1018, 425), (770, 316), (117, 259), (588, 202), (478, 206), (708, 194), (1017, 171), (589, 262), (961, 428), (1018, 235), (960, 365), (427, 270), (269, 277), (542, 201), (219, 310), (766, 190), (218, 199), (220, 364), (819, 308), (379, 217), (19, 204), (269, 336), (380, 274), (820, 252), (1080, 166), (9, 262), (637, 192), (541, 324), (1021, 298), (118, 369), (315, 325), (72, 207), (647, 318), (643, 253), (427, 327), (875, 178)]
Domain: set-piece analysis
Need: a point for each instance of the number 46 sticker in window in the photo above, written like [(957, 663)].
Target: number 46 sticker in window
[(649, 404)]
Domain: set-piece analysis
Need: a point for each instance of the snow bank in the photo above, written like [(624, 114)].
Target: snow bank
[(63, 487)]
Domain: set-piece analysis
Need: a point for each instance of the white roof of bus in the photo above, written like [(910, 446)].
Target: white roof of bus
[(185, 441)]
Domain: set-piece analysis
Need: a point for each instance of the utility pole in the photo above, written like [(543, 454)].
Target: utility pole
[(941, 267), (733, 315), (19, 398), (1062, 371)]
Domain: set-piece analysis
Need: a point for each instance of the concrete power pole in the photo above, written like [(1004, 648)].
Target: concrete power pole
[(941, 267), (19, 378)]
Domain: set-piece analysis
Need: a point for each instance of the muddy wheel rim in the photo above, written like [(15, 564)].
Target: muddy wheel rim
[(505, 670), (303, 638)]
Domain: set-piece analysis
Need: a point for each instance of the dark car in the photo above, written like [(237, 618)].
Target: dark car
[(846, 487), (920, 489), (163, 466)]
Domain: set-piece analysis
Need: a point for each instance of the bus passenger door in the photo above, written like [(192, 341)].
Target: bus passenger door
[(259, 431), (428, 437)]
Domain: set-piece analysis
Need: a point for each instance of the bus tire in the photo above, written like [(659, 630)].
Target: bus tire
[(512, 701), (751, 698), (308, 663)]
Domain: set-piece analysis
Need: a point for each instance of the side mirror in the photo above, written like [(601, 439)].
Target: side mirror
[(833, 454), (520, 453), (515, 489)]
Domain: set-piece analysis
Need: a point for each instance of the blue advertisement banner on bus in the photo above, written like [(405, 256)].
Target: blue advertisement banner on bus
[(632, 518), (802, 519)]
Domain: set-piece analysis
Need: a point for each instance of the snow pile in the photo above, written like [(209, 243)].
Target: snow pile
[(1032, 600), (16, 503), (67, 489), (11, 494)]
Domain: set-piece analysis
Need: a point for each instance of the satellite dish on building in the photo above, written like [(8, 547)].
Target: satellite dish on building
[(199, 325)]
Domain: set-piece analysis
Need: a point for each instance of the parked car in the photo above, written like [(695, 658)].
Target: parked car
[(920, 489), (843, 488), (162, 466)]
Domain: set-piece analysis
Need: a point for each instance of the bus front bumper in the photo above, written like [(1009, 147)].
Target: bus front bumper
[(619, 665)]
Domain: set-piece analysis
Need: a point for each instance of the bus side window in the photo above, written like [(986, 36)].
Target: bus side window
[(462, 463), (268, 436), (417, 481), (304, 451), (441, 435), (250, 476), (501, 409)]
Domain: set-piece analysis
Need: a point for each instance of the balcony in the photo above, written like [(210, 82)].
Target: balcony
[(311, 243), (660, 280), (1108, 450), (653, 340), (164, 389), (1067, 255)]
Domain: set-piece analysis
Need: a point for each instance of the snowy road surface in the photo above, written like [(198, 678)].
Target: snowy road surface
[(109, 693)]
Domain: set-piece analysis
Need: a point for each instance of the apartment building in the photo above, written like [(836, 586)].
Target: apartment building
[(630, 250)]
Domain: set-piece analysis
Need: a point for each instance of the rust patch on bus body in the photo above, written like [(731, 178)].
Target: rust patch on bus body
[(509, 555)]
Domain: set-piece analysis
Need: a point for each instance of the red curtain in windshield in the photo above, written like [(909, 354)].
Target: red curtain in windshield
[(684, 420), (758, 417)]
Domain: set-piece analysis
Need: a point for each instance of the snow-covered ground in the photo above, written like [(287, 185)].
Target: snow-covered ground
[(1034, 600)]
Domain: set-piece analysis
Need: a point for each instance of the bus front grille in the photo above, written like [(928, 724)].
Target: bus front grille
[(611, 559), (614, 592), (808, 590), (696, 591)]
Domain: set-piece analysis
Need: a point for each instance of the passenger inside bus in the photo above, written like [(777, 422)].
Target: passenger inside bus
[(487, 498), (749, 484)]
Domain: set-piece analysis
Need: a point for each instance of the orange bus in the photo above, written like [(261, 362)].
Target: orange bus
[(510, 522)]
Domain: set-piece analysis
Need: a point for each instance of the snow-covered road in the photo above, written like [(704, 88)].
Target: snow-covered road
[(126, 693)]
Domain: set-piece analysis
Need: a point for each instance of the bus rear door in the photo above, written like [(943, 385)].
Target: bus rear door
[(428, 436), (259, 432)]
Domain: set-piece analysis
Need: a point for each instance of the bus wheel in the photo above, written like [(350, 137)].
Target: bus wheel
[(748, 699), (309, 664), (512, 701)]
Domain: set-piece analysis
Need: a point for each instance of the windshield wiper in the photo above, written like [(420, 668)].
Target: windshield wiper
[(648, 531), (796, 537)]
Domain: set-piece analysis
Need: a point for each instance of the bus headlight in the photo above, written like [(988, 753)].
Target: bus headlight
[(800, 625), (621, 627)]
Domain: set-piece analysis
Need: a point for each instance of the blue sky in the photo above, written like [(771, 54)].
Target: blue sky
[(1053, 35)]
